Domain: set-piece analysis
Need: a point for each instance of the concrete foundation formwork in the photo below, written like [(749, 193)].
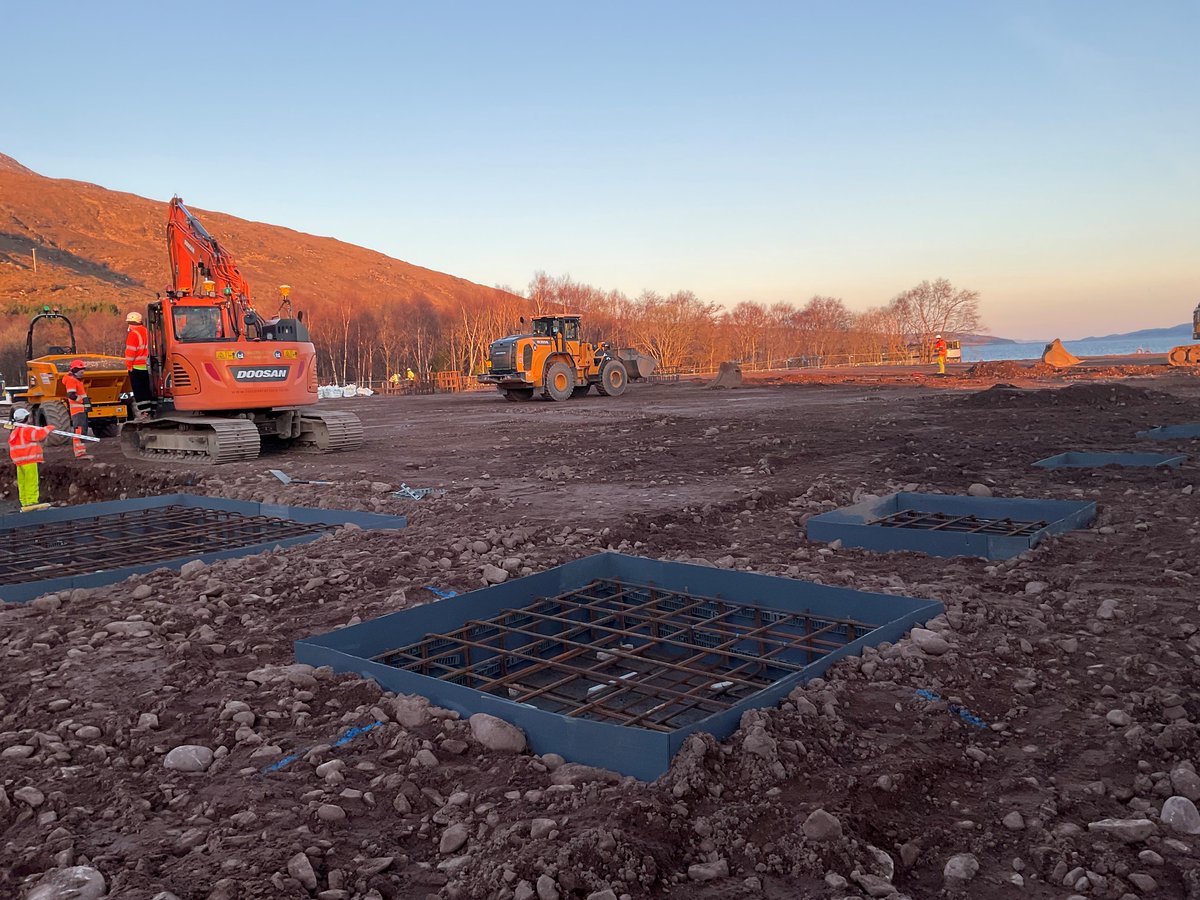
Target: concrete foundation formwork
[(950, 525), (101, 543), (1184, 431), (614, 660), (1096, 460)]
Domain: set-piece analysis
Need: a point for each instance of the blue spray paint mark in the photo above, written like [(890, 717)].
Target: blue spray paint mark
[(445, 595), (344, 739), (961, 711)]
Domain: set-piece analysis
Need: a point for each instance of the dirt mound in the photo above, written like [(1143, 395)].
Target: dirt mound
[(1000, 368), (1077, 395), (730, 376)]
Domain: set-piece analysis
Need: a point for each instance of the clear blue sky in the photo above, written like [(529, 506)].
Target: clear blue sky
[(1044, 153)]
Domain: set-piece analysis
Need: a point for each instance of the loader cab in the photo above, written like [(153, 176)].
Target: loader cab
[(561, 328)]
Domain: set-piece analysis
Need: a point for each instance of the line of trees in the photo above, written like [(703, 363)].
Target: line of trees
[(368, 342), (367, 337)]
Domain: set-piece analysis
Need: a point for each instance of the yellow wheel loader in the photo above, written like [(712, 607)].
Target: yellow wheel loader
[(553, 363)]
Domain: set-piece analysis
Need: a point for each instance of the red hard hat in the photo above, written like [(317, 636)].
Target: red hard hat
[(76, 364)]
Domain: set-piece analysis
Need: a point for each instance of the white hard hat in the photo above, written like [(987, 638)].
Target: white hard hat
[(938, 335), (134, 317), (20, 414)]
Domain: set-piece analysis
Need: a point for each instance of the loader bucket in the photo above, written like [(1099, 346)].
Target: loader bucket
[(730, 376), (638, 365), (1059, 356)]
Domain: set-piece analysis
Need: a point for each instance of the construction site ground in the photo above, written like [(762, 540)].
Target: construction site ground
[(1079, 657)]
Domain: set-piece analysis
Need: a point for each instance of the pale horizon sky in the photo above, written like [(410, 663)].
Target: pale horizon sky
[(1043, 153)]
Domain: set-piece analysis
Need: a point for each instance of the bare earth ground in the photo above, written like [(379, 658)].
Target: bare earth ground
[(1081, 656)]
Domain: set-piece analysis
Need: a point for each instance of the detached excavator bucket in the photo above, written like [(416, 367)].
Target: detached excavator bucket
[(1059, 356)]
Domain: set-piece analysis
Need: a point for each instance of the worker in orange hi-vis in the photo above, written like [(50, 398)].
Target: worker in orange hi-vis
[(137, 361), (939, 350), (78, 403), (25, 450)]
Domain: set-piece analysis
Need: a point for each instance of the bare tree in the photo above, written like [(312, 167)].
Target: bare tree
[(938, 307)]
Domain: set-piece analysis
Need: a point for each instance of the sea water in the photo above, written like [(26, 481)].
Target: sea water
[(1106, 347)]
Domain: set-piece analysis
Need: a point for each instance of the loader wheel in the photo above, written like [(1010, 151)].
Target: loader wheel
[(515, 395), (58, 417), (613, 379), (580, 390), (559, 381)]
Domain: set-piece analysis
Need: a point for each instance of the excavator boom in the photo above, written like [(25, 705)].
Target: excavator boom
[(196, 257)]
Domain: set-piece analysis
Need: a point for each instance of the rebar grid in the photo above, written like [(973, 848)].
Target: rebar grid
[(100, 543), (936, 521), (634, 654)]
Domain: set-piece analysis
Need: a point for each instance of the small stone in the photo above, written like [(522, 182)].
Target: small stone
[(1128, 830), (1142, 882), (88, 733), (546, 888), (331, 812), (493, 574), (453, 838), (709, 870), (189, 758), (1185, 782), (496, 734), (606, 894), (300, 868), (821, 826), (979, 490), (1035, 587), (1014, 821), (835, 881), (73, 883), (1118, 718), (929, 641), (539, 828), (759, 743), (1180, 815), (960, 869), (141, 592), (426, 757), (30, 796)]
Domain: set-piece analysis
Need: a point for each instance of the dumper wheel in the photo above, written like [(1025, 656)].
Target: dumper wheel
[(559, 381), (515, 395), (58, 417), (613, 379), (106, 429)]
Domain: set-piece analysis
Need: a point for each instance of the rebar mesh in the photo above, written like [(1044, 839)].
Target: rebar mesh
[(632, 654), (936, 521), (97, 544)]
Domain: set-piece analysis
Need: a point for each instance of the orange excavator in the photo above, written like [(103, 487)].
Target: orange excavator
[(223, 378), (1188, 354)]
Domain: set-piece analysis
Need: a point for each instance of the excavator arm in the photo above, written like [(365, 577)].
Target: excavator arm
[(196, 257)]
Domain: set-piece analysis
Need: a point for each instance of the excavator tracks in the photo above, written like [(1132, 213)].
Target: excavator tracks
[(329, 432), (1187, 355), (198, 440)]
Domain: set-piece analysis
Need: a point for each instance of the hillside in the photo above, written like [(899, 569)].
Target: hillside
[(1182, 331), (97, 247)]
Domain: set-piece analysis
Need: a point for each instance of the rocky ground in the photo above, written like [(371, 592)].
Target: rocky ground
[(1052, 753)]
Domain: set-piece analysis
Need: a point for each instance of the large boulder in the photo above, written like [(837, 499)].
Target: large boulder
[(496, 734), (72, 883)]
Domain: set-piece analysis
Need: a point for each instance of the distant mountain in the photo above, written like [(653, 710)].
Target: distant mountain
[(976, 340), (1183, 331)]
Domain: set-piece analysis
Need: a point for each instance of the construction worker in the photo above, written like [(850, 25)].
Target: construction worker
[(939, 350), (137, 361), (410, 375), (25, 450), (78, 404)]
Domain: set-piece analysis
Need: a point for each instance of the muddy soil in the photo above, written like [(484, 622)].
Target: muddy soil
[(1079, 660)]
